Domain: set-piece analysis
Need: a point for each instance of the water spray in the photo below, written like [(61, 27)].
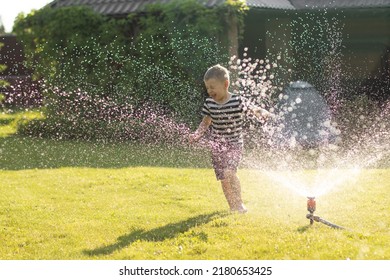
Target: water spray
[(311, 207)]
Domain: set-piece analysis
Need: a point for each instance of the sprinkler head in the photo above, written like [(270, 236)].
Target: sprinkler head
[(311, 204), (311, 207)]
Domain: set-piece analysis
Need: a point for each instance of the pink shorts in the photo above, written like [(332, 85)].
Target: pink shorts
[(225, 156)]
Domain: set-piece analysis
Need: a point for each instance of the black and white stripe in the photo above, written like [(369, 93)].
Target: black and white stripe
[(227, 118)]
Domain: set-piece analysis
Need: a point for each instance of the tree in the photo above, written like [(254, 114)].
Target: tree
[(2, 29), (2, 82), (94, 67)]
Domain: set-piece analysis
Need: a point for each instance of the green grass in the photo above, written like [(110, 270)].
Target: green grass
[(78, 200), (8, 121)]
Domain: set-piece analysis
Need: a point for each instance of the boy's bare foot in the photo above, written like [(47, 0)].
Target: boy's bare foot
[(240, 209)]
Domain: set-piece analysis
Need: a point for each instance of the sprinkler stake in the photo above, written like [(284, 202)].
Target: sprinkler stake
[(311, 207)]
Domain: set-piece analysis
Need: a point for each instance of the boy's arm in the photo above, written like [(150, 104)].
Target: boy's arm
[(203, 127), (261, 113), (256, 110)]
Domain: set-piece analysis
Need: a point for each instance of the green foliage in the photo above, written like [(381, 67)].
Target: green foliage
[(157, 57), (2, 29), (2, 68), (54, 39)]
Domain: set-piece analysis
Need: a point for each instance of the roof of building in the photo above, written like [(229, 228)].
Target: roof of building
[(120, 7), (308, 4), (270, 4)]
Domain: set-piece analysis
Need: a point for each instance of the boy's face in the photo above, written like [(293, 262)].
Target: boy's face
[(217, 89)]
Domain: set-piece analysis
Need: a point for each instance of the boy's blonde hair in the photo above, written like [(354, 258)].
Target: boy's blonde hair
[(217, 72)]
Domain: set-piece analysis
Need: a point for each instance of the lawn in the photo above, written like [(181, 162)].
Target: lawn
[(82, 200)]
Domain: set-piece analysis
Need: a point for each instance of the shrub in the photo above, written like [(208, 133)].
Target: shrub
[(74, 50)]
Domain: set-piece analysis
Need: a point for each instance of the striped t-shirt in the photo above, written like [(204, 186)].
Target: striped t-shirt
[(227, 118)]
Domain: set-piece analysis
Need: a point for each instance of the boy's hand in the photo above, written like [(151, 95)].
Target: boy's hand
[(193, 137), (204, 125), (263, 114)]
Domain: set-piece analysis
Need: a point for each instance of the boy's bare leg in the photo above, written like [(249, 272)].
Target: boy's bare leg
[(232, 189), (229, 193), (235, 187)]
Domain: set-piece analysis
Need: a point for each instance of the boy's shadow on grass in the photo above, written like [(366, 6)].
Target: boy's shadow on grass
[(168, 231)]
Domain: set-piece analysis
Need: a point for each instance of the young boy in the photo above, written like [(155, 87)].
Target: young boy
[(224, 113)]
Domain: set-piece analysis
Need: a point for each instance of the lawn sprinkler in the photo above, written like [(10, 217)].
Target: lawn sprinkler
[(311, 207)]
